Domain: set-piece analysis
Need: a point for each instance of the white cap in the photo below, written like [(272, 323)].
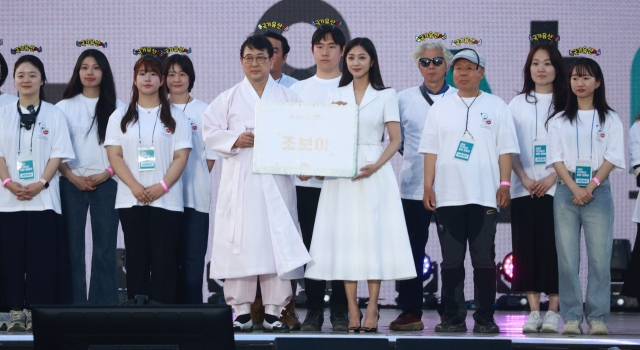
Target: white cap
[(470, 55)]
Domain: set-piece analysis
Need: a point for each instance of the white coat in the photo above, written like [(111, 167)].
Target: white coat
[(256, 223)]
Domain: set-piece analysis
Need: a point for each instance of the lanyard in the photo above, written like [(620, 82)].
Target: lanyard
[(577, 143), (154, 126), (466, 126), (536, 107), (20, 132)]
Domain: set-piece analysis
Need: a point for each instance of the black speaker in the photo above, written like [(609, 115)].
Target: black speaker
[(453, 344), (324, 343)]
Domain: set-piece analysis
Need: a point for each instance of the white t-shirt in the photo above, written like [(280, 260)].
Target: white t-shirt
[(634, 159), (286, 80), (6, 99), (313, 90), (530, 128), (50, 140), (165, 144), (475, 181), (91, 157), (196, 183), (595, 142), (413, 113)]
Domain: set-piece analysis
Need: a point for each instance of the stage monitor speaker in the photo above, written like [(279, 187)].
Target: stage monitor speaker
[(163, 327), (333, 343), (452, 344)]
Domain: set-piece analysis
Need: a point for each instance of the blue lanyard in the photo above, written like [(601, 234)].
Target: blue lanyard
[(591, 135), (154, 126), (536, 107)]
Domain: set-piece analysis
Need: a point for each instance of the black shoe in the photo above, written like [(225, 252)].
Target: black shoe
[(339, 321), (452, 324), (485, 325), (313, 321), (243, 323)]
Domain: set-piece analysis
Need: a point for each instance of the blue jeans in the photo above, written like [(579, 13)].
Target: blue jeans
[(194, 234), (596, 217), (103, 286)]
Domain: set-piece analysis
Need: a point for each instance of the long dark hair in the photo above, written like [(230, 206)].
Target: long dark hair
[(148, 63), (587, 67), (4, 70), (107, 100), (375, 78), (559, 99), (35, 61)]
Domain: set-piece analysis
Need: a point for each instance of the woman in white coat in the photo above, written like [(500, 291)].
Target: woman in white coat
[(360, 231)]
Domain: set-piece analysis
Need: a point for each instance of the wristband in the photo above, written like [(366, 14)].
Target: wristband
[(505, 183), (7, 180), (595, 179), (110, 171), (164, 185)]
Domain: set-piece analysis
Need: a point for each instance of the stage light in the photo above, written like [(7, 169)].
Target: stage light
[(427, 267), (507, 267)]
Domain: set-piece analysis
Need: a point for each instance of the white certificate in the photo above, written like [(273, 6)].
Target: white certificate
[(305, 139)]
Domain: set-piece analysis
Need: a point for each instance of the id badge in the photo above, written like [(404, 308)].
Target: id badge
[(463, 152), (540, 152), (582, 175), (146, 158), (25, 169)]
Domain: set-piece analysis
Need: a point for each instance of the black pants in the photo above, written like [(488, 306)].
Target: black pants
[(30, 257), (477, 225), (417, 219), (151, 237), (308, 198)]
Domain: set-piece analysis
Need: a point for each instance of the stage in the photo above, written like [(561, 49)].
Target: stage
[(625, 329)]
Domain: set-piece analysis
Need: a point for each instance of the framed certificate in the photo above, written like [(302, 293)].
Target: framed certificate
[(305, 139)]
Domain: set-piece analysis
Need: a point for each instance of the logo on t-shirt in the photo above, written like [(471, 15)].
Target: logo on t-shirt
[(601, 134), (194, 126), (165, 131), (44, 132), (486, 121)]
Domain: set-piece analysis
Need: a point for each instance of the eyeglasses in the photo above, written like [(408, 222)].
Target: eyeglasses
[(249, 59), (437, 61)]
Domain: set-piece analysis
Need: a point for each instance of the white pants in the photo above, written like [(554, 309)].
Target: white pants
[(240, 293)]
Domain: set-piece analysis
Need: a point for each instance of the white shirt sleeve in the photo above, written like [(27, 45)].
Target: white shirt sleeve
[(507, 137), (614, 151), (554, 141), (391, 110), (61, 144), (215, 128), (634, 146), (114, 133), (429, 143), (182, 135)]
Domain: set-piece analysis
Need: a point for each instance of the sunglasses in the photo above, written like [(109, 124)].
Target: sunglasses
[(437, 61)]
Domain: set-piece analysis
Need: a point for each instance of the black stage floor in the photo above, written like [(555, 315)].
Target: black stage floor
[(624, 327)]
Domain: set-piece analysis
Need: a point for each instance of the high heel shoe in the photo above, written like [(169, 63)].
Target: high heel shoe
[(371, 330), (356, 329)]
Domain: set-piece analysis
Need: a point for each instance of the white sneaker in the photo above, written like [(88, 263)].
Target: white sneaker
[(29, 321), (572, 327), (243, 327), (16, 321), (597, 327), (550, 323), (533, 324)]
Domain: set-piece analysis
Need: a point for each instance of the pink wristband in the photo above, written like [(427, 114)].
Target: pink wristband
[(505, 183), (164, 185), (7, 180), (595, 179), (110, 171)]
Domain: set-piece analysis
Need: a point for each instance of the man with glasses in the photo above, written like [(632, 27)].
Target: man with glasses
[(432, 59), (256, 236), (467, 143)]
